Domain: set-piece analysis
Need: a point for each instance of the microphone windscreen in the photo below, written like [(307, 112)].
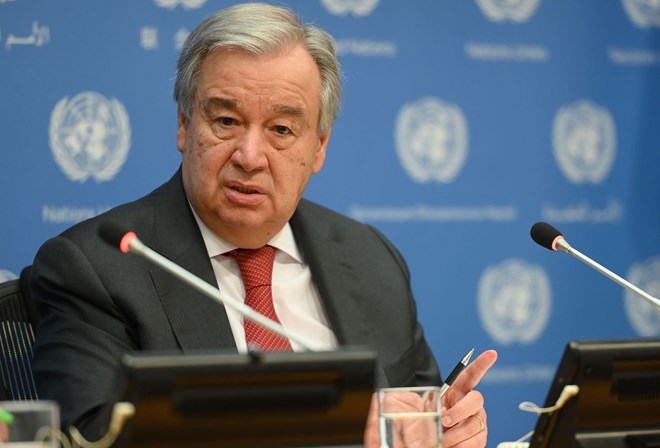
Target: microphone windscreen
[(112, 233), (544, 234)]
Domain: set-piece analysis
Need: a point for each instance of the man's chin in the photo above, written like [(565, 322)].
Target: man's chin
[(245, 229)]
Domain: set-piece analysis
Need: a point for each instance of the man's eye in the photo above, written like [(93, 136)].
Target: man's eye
[(282, 130), (226, 121)]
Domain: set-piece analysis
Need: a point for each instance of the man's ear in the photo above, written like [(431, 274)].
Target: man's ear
[(319, 157), (181, 130)]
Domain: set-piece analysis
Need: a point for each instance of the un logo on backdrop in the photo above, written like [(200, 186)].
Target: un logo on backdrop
[(644, 317), (514, 301), (514, 10), (643, 13), (431, 140), (90, 136), (5, 276), (355, 7), (584, 142), (185, 4)]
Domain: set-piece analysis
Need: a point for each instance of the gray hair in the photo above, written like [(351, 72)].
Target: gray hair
[(259, 29)]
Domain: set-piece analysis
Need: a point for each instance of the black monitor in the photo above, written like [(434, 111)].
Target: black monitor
[(618, 404), (250, 400)]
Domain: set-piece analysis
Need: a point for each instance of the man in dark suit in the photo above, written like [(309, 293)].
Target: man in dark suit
[(258, 93)]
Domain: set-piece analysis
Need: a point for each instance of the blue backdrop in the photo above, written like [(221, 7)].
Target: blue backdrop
[(463, 123)]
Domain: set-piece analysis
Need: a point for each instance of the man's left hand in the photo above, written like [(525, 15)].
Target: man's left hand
[(463, 415)]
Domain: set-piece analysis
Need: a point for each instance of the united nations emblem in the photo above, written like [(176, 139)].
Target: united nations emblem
[(90, 136), (514, 301), (355, 7), (185, 4), (431, 140), (514, 10), (5, 276), (584, 142), (643, 13), (643, 316)]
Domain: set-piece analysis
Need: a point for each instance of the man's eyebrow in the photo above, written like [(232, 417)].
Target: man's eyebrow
[(224, 103), (286, 109), (230, 104)]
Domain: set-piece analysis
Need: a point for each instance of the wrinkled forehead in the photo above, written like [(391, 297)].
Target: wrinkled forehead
[(290, 80)]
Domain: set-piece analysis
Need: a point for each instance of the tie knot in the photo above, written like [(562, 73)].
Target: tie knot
[(256, 265)]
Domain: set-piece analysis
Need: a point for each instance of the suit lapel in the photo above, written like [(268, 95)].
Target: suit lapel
[(177, 236), (335, 274), (335, 271)]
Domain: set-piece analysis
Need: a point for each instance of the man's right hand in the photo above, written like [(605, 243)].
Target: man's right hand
[(4, 433)]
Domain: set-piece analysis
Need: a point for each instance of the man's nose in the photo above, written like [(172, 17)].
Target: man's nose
[(250, 151)]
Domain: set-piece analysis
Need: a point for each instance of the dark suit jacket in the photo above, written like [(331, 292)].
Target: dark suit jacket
[(97, 303)]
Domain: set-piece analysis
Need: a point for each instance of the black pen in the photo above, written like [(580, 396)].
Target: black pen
[(454, 373)]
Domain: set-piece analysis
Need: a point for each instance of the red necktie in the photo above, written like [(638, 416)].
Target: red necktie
[(256, 267)]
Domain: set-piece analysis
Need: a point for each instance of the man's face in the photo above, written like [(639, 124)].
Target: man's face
[(251, 143)]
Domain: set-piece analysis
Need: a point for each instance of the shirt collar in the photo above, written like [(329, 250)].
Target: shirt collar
[(283, 241)]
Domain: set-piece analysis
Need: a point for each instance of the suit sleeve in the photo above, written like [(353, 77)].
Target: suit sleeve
[(79, 339)]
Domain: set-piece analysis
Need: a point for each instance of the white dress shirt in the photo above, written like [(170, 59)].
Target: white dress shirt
[(296, 300)]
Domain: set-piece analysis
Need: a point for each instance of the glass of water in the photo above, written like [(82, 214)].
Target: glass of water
[(409, 417), (29, 424)]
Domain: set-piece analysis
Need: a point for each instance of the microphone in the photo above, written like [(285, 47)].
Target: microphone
[(127, 241), (547, 236)]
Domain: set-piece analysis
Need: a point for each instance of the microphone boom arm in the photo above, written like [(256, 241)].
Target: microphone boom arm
[(563, 246)]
